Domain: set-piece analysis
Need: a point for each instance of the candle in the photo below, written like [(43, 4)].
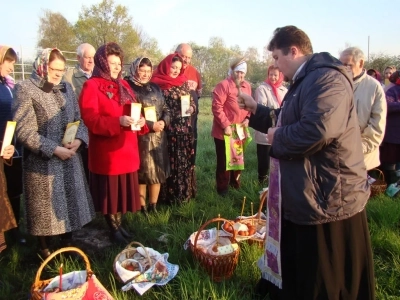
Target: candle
[(244, 201), (60, 285)]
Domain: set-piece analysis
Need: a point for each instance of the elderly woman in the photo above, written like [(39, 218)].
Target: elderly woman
[(181, 185), (154, 162), (270, 93), (8, 58), (226, 112), (57, 198), (105, 103)]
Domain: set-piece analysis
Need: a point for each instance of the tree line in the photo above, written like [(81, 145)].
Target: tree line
[(108, 21)]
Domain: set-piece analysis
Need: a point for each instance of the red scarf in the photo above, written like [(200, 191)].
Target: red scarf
[(102, 69), (161, 75), (275, 86)]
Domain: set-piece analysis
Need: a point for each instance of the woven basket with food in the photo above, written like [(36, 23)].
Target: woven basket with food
[(250, 228), (215, 250)]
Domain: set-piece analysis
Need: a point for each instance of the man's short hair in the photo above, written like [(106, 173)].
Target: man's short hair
[(288, 36), (81, 49), (180, 46), (355, 52)]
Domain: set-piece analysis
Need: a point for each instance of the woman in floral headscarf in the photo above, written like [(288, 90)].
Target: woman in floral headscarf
[(105, 103), (154, 161), (57, 198), (181, 185)]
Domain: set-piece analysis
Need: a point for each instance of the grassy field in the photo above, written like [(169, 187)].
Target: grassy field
[(18, 264)]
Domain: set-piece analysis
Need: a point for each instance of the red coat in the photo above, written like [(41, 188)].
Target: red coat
[(113, 149), (225, 107)]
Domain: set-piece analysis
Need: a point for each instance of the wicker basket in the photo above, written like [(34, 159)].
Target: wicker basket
[(258, 222), (131, 253), (379, 185), (218, 267), (39, 285)]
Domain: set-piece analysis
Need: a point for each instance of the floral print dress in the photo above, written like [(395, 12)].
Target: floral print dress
[(181, 185)]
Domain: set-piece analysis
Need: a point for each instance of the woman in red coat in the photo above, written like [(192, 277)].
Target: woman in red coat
[(105, 103)]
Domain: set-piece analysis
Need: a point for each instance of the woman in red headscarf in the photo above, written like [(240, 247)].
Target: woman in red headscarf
[(181, 185), (105, 103), (270, 93)]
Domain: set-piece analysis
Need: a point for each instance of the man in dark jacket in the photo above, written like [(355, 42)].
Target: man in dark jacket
[(321, 248)]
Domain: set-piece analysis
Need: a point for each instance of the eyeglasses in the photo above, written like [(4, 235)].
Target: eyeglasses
[(57, 70), (144, 72)]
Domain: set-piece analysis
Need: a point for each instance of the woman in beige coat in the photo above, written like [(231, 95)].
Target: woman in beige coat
[(270, 93)]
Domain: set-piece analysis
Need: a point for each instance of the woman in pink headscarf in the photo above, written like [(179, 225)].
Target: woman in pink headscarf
[(270, 93)]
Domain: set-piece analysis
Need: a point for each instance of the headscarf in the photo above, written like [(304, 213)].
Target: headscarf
[(102, 69), (8, 80), (161, 75), (395, 78), (40, 70), (3, 51), (377, 74), (238, 64), (134, 71), (275, 85)]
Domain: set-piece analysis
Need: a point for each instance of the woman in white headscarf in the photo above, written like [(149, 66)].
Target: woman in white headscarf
[(226, 112)]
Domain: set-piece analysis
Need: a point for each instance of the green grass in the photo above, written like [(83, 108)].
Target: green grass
[(18, 264)]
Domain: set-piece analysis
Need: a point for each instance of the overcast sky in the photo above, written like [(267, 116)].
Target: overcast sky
[(244, 23)]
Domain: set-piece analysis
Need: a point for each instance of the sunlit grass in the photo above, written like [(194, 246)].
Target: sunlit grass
[(18, 265)]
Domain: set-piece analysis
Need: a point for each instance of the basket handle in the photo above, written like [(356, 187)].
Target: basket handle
[(89, 271), (381, 176), (263, 197), (127, 250), (212, 221)]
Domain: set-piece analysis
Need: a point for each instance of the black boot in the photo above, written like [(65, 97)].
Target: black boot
[(144, 211), (152, 208), (125, 233), (116, 235)]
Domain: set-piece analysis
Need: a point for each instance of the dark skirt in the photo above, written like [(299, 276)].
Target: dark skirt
[(181, 184), (115, 193), (390, 153), (326, 261)]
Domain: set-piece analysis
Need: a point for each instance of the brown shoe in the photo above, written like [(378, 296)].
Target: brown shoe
[(44, 253)]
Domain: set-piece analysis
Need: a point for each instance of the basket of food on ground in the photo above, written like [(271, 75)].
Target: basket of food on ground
[(215, 250)]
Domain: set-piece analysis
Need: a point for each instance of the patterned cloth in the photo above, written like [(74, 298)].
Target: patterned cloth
[(102, 69), (57, 198), (133, 71), (181, 185), (270, 262)]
